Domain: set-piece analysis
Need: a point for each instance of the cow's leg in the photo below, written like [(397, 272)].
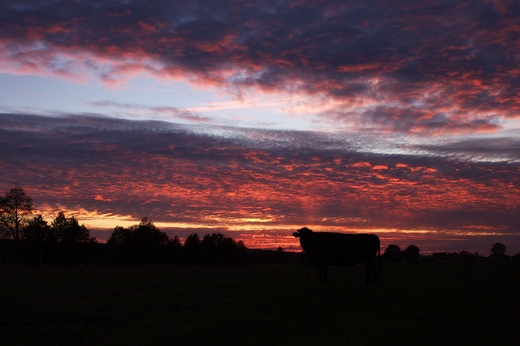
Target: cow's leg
[(374, 271), (370, 269), (367, 273)]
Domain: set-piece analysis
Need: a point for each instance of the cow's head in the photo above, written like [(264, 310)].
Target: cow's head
[(302, 232)]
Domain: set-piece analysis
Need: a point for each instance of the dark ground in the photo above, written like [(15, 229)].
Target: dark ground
[(423, 304)]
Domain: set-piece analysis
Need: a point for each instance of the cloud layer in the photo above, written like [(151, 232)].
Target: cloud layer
[(432, 66), (254, 179)]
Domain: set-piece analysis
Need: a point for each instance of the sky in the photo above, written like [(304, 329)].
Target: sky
[(257, 118)]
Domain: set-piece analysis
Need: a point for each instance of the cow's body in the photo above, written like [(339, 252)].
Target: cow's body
[(324, 249)]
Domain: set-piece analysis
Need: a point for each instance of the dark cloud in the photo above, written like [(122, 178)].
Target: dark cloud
[(501, 149), (171, 173), (448, 66)]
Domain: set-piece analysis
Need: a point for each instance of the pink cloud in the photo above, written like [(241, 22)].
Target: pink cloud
[(115, 167), (404, 64)]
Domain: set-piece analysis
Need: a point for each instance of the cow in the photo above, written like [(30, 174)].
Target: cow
[(347, 250)]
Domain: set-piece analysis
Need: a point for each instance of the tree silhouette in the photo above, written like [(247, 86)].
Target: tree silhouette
[(38, 230), (120, 245), (14, 210), (75, 245), (76, 232), (148, 240), (280, 255), (193, 240), (139, 244), (40, 238), (175, 242), (218, 250), (392, 253), (68, 230), (119, 236), (174, 249), (411, 253), (498, 250), (192, 247), (465, 255)]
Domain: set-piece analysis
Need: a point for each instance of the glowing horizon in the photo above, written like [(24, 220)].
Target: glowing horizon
[(258, 235)]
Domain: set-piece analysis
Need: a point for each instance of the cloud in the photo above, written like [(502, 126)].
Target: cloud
[(173, 112), (239, 178), (439, 66), (499, 149)]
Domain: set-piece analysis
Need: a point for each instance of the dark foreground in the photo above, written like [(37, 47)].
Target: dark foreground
[(425, 304)]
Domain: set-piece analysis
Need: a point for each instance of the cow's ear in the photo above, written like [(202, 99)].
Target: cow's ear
[(296, 234)]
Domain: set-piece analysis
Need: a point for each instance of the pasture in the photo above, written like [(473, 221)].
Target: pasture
[(424, 304)]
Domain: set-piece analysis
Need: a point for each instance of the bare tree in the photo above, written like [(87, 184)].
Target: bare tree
[(15, 208)]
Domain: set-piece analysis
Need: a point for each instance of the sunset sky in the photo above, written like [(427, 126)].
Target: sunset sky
[(257, 118)]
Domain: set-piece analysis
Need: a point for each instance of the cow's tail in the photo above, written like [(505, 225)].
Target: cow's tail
[(379, 263)]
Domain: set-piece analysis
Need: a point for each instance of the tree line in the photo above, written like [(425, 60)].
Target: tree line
[(29, 239), (411, 254), (146, 244), (393, 253)]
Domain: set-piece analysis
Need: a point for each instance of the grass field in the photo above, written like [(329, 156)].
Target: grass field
[(425, 304)]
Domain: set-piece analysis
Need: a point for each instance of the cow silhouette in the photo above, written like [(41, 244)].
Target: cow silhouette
[(346, 250)]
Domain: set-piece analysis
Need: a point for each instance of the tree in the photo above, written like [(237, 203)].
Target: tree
[(174, 249), (4, 231), (192, 246), (38, 230), (392, 253), (59, 225), (68, 230), (147, 233), (76, 233), (498, 250), (39, 234), (411, 253), (175, 242), (142, 243), (280, 255), (14, 210), (465, 255), (120, 245), (119, 236), (218, 250), (75, 245), (148, 241), (193, 240)]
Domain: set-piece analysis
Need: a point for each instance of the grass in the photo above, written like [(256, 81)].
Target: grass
[(425, 304)]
